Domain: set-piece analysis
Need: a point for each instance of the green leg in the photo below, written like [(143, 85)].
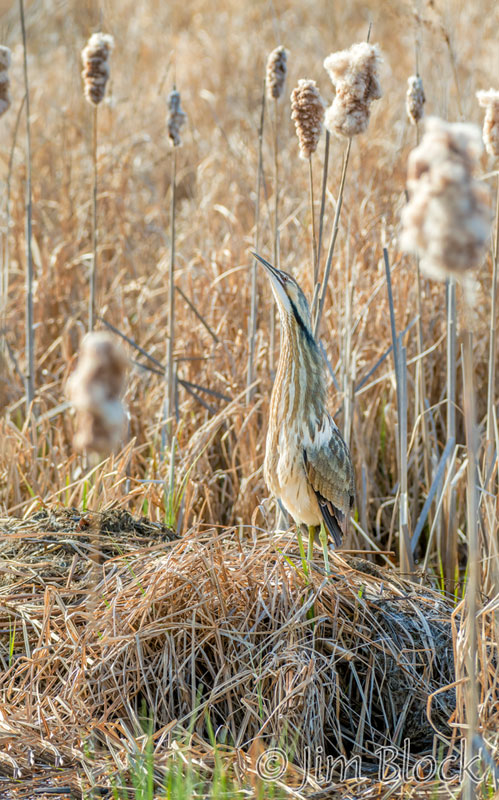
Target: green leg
[(311, 535), (323, 538)]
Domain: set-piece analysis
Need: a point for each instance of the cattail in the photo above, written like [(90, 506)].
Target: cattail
[(354, 73), (447, 219), (490, 101), (95, 390), (276, 72), (176, 118), (95, 57), (5, 100), (307, 111), (415, 99)]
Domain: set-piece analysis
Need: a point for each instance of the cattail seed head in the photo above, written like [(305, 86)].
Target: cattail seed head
[(95, 390), (276, 72), (447, 219), (354, 73), (307, 111), (415, 99), (490, 102), (176, 118), (95, 57), (5, 100)]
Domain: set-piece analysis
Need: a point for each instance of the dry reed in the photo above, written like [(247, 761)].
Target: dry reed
[(210, 631), (275, 79), (95, 390)]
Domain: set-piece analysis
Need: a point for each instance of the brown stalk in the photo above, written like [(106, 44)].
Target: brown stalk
[(29, 321)]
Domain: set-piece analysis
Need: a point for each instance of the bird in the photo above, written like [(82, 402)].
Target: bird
[(307, 463)]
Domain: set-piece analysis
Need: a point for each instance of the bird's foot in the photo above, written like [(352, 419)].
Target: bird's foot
[(324, 541)]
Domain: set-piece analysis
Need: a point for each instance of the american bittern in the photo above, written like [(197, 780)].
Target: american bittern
[(307, 464)]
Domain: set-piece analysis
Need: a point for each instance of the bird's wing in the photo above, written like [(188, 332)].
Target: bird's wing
[(329, 469)]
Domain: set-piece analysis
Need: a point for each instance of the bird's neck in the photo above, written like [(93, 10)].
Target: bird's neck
[(299, 393)]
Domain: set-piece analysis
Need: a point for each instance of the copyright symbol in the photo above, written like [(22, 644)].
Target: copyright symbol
[(272, 764)]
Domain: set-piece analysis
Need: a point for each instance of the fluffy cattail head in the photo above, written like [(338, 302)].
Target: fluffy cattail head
[(354, 73), (447, 219), (5, 100), (415, 99), (95, 390), (307, 111), (176, 118), (490, 101), (276, 71), (95, 57)]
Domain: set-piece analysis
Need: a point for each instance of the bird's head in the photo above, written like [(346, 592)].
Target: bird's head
[(288, 295)]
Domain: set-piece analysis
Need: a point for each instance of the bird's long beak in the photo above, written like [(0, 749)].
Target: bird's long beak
[(277, 282), (273, 271)]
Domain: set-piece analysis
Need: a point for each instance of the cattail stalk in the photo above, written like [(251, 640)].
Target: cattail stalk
[(95, 58), (447, 222), (307, 112), (5, 103), (93, 267), (312, 212), (254, 286), (276, 235), (473, 557), (170, 348), (354, 73), (29, 327), (490, 101), (176, 120), (275, 80), (321, 296), (420, 368), (492, 343), (6, 250), (323, 198)]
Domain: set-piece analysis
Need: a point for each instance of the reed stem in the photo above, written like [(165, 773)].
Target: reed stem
[(492, 346), (471, 600), (323, 199), (322, 294), (30, 333), (448, 545), (93, 268), (254, 284), (276, 235), (170, 377), (312, 212), (4, 280)]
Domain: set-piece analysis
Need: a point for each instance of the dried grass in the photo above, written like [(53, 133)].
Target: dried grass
[(218, 625)]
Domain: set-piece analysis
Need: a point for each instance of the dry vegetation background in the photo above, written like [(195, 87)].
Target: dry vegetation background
[(216, 54)]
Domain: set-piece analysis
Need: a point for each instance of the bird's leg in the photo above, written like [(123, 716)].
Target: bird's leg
[(311, 537), (323, 538)]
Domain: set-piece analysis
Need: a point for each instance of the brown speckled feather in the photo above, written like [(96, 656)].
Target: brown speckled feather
[(329, 469)]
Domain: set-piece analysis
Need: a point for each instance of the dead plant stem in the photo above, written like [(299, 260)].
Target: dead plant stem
[(93, 268), (30, 333), (322, 295)]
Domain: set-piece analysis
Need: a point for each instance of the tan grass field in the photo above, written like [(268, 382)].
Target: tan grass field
[(180, 650)]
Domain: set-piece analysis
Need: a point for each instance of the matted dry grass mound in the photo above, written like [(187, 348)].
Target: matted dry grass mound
[(210, 632)]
